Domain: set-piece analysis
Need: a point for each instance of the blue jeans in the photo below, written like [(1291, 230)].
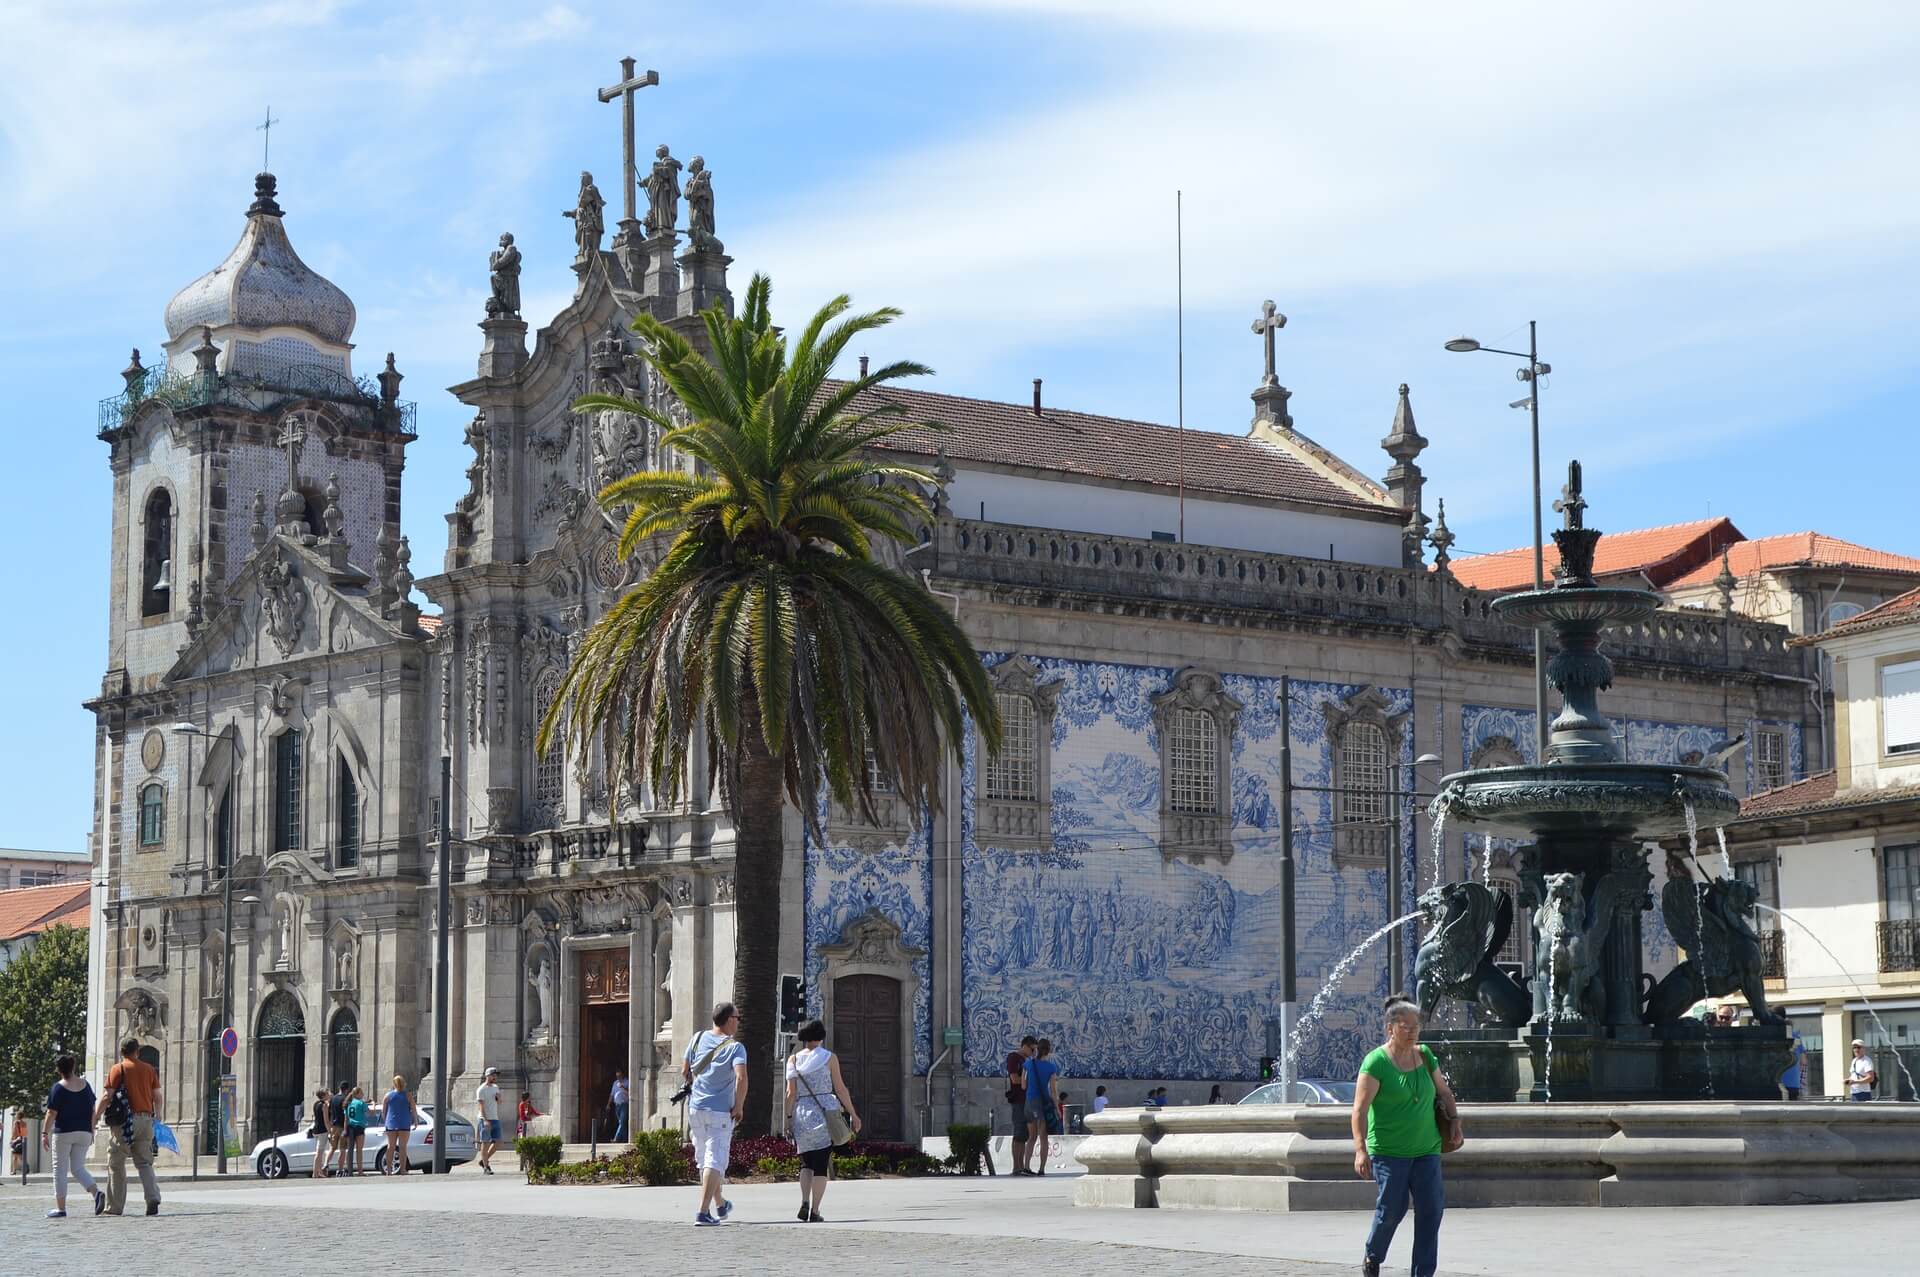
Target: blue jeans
[(1400, 1178), (619, 1122)]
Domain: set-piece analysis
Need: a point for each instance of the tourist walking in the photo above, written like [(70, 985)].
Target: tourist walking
[(618, 1100), (396, 1120), (68, 1130), (357, 1120), (1396, 1139), (337, 1114), (130, 1127), (715, 1070), (817, 1102), (1043, 1104), (1017, 1100), (486, 1104), (1861, 1077), (322, 1131)]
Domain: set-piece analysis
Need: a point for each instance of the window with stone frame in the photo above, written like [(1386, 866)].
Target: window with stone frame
[(1769, 758), (550, 768), (153, 815), (346, 818), (1195, 719), (286, 790), (878, 781), (1364, 738), (1013, 803), (223, 830)]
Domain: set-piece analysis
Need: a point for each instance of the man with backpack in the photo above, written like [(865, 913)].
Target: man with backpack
[(130, 1102)]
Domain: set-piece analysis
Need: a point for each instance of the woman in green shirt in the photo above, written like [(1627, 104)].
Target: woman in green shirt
[(1396, 1142)]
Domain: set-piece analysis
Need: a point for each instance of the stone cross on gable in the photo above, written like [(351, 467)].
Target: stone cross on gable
[(628, 86), (291, 438), (1571, 504), (1270, 322)]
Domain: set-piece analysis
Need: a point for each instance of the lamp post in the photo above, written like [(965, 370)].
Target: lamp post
[(1530, 374), (1396, 959)]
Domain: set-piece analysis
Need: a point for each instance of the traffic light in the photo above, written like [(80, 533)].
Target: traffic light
[(1268, 1071), (793, 1003)]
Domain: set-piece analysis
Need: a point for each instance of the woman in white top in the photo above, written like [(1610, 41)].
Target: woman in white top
[(1860, 1074), (814, 1089)]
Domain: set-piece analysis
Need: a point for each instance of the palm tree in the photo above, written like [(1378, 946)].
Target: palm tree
[(768, 624)]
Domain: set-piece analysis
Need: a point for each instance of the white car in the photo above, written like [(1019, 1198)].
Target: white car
[(293, 1154)]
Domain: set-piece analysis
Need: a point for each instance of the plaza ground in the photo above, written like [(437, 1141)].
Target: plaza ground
[(499, 1225)]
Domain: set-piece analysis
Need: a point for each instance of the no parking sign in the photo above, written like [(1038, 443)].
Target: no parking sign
[(229, 1042)]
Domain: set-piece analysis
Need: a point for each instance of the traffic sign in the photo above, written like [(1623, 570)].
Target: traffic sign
[(229, 1043)]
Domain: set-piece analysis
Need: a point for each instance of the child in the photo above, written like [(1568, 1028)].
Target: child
[(526, 1113)]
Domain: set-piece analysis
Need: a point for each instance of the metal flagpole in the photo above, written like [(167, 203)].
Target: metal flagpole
[(440, 981), (1180, 360)]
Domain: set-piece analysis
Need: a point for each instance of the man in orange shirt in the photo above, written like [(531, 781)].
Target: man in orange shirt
[(141, 1082)]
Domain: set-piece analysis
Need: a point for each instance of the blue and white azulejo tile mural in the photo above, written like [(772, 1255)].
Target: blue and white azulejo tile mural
[(1143, 965)]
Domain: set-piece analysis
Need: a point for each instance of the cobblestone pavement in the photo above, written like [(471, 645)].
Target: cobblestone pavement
[(211, 1237)]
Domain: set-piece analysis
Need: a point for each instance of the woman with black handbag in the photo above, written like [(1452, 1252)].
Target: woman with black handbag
[(820, 1115)]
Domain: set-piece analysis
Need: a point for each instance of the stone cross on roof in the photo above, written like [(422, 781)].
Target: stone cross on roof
[(291, 509), (267, 140), (628, 86), (1571, 504), (1270, 322)]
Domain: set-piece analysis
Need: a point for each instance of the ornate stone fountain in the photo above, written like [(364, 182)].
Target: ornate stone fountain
[(1587, 815)]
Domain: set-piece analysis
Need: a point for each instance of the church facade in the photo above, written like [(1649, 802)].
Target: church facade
[(275, 709)]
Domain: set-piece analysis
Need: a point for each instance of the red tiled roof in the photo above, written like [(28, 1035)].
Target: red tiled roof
[(1661, 553), (1820, 793), (1899, 610), (27, 910), (1796, 550), (983, 430)]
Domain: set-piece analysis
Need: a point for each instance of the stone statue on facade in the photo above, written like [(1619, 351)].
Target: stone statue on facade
[(503, 277), (700, 207), (540, 979), (343, 965), (1468, 924), (588, 222), (663, 192), (282, 936), (1724, 954)]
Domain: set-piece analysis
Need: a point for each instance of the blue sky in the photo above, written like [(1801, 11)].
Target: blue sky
[(1716, 222)]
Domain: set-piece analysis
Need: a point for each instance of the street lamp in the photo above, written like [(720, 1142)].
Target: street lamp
[(1395, 907), (1530, 374)]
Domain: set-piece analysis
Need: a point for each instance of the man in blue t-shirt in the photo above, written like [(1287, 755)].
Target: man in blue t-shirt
[(715, 1067), (1043, 1105)]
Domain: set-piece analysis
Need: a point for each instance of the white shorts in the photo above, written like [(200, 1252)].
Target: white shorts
[(712, 1136)]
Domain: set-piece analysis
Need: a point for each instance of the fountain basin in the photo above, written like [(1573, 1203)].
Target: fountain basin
[(1618, 800), (1288, 1157), (1581, 606)]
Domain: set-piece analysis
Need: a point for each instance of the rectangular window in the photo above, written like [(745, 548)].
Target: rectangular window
[(1769, 758), (1765, 877), (223, 830), (1363, 775), (39, 877), (1900, 707), (1011, 774), (1193, 763), (153, 816), (286, 791), (347, 819), (1900, 873), (878, 783), (1513, 951)]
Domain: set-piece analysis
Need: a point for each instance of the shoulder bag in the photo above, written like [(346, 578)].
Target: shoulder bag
[(699, 1067), (839, 1128), (1452, 1134)]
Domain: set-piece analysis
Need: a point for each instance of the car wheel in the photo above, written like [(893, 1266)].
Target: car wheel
[(273, 1164), (380, 1162)]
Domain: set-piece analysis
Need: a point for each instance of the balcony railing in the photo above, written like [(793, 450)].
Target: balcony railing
[(1773, 955), (1900, 945), (262, 390)]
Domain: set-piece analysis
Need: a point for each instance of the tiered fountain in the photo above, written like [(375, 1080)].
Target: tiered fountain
[(1594, 1026), (1645, 1106)]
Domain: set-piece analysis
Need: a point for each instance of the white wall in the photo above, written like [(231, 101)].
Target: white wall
[(1133, 512), (1833, 889)]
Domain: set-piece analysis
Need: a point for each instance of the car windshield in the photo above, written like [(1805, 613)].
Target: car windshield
[(1341, 1091)]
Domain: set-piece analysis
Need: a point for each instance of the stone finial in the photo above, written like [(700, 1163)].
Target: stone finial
[(402, 585), (943, 473), (390, 380), (1404, 441), (136, 378), (264, 190), (1725, 583), (1413, 539), (1405, 482), (331, 517), (258, 531), (383, 566), (206, 356), (1441, 540)]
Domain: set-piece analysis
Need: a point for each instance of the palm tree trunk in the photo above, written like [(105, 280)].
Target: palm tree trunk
[(759, 816)]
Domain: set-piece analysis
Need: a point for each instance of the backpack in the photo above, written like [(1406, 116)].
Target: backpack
[(118, 1112)]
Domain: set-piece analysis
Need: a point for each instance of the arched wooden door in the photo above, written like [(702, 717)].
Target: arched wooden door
[(280, 1066), (867, 1038)]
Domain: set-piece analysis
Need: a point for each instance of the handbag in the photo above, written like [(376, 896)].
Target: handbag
[(1452, 1135), (839, 1129)]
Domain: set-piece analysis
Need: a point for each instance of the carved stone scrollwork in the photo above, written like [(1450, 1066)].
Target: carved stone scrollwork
[(283, 603), (723, 889)]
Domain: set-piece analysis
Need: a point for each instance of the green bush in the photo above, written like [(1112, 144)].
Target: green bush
[(537, 1151), (778, 1167), (969, 1145), (658, 1157), (544, 1174), (920, 1164), (853, 1167)]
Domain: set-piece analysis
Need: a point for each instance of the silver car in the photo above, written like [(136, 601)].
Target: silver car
[(293, 1154), (1305, 1091)]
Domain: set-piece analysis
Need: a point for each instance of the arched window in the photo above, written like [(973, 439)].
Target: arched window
[(286, 791), (1196, 718), (223, 830), (346, 817), (1013, 804), (156, 556), (153, 816), (1364, 736)]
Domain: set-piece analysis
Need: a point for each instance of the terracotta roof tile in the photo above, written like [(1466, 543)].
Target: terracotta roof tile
[(983, 430), (1798, 549), (1817, 793), (26, 910), (1658, 552)]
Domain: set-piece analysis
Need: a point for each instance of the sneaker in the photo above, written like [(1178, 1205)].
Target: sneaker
[(1369, 1268), (99, 1200), (56, 1214), (487, 1169), (802, 1216), (726, 1208), (704, 1220), (153, 1208), (815, 1217)]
